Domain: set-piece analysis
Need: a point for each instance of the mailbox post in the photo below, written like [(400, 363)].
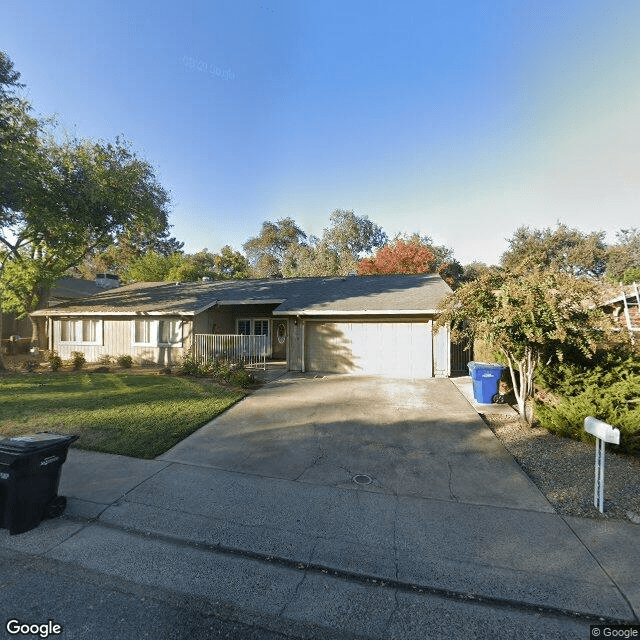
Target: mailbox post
[(604, 433)]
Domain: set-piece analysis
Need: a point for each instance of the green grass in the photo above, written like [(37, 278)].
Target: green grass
[(131, 415)]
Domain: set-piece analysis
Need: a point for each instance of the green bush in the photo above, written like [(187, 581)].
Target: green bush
[(105, 359), (30, 365), (222, 370), (242, 378), (54, 360), (189, 365), (124, 361), (571, 378), (609, 393), (78, 360)]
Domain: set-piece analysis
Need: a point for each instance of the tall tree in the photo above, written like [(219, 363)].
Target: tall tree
[(152, 267), (178, 267), (89, 193), (21, 159), (9, 78), (230, 263), (267, 250), (413, 254), (352, 238), (399, 257), (529, 317), (347, 240), (127, 248), (313, 259), (473, 270), (215, 266), (563, 248), (623, 258), (61, 201)]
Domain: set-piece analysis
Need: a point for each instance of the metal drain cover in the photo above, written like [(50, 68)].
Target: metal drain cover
[(361, 478)]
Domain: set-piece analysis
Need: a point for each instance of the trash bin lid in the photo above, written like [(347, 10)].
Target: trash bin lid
[(35, 441), (485, 365)]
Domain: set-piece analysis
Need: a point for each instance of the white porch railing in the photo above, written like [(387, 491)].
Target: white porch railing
[(251, 351)]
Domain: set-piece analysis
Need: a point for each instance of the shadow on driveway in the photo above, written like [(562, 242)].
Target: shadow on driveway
[(410, 437)]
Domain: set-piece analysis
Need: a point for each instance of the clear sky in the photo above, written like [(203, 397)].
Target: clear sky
[(461, 120)]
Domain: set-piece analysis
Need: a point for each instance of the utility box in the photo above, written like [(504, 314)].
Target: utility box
[(486, 381), (30, 467)]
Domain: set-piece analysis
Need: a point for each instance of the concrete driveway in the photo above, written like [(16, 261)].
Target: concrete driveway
[(258, 513), (416, 438)]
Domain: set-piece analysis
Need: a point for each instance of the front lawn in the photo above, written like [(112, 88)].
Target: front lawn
[(131, 415)]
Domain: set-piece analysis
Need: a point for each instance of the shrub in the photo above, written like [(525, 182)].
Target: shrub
[(609, 392), (105, 359), (124, 361), (222, 370), (189, 365), (242, 378), (30, 365), (78, 360), (54, 360)]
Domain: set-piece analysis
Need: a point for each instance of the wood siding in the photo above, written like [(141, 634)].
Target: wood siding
[(117, 340)]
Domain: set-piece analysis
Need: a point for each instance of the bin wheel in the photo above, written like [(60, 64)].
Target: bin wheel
[(498, 399), (55, 507)]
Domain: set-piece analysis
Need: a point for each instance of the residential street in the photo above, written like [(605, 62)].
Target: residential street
[(331, 507)]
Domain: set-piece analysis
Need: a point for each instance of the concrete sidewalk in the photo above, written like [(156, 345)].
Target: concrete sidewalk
[(311, 550)]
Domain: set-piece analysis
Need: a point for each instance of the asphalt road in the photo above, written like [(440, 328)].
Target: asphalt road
[(90, 605)]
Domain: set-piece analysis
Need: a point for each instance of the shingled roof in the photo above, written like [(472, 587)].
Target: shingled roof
[(410, 294)]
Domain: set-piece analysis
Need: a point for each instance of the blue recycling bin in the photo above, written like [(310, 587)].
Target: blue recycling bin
[(486, 380)]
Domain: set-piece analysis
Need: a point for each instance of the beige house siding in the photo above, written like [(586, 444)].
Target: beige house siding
[(116, 339)]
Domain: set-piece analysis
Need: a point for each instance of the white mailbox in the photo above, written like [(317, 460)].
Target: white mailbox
[(604, 433)]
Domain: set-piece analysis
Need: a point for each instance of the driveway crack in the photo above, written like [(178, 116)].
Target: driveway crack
[(322, 455), (453, 496), (294, 595), (396, 608)]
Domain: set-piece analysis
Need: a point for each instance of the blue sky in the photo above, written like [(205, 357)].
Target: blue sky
[(461, 120)]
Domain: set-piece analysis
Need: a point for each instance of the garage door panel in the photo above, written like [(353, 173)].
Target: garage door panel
[(328, 348), (402, 349)]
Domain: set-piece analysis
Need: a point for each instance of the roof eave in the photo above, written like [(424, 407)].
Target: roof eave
[(358, 312), (55, 312)]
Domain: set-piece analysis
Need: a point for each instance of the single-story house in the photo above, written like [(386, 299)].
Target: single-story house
[(17, 332), (624, 307), (352, 324)]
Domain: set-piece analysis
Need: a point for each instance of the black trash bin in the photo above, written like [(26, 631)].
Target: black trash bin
[(30, 468)]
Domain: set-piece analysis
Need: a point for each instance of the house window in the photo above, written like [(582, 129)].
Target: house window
[(151, 333), (253, 327), (244, 327), (143, 332), (81, 331), (170, 332), (261, 327)]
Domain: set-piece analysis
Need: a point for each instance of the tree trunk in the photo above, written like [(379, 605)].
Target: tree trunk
[(2, 364), (522, 383), (39, 336)]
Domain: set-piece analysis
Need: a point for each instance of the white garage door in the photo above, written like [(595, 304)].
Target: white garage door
[(394, 349)]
